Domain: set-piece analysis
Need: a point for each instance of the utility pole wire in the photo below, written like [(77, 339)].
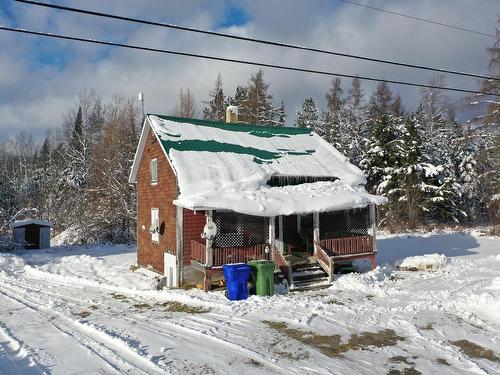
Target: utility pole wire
[(253, 40), (419, 19), (243, 62)]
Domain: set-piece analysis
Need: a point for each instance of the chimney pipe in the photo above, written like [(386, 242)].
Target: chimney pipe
[(232, 114)]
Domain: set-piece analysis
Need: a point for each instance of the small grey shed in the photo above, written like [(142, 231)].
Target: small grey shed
[(34, 234)]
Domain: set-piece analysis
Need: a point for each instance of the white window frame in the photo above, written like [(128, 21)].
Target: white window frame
[(154, 229), (153, 171)]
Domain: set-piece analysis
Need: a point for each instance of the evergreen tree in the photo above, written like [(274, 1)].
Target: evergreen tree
[(397, 108), (77, 134), (332, 117), (215, 108), (238, 100), (257, 107), (280, 115), (355, 114), (380, 103), (308, 115), (335, 120)]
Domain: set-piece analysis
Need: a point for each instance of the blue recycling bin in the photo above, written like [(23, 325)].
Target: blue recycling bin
[(236, 275)]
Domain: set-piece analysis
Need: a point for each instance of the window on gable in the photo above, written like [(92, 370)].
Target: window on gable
[(153, 167)]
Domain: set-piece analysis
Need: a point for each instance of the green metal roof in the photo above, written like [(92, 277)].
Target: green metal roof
[(265, 131), (260, 155)]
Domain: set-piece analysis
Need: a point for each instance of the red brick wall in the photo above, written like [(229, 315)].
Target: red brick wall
[(158, 196), (193, 227)]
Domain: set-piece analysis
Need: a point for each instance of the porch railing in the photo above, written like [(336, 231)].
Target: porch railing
[(198, 252), (224, 255), (284, 265), (348, 245), (325, 260), (328, 251)]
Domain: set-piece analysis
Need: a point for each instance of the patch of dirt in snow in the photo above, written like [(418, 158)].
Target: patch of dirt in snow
[(474, 350), (331, 345), (174, 306)]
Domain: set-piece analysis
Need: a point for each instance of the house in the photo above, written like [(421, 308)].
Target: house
[(270, 193), (32, 233)]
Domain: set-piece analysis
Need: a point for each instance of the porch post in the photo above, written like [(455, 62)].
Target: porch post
[(373, 222), (272, 234), (315, 229), (208, 243), (280, 234), (331, 265), (179, 240)]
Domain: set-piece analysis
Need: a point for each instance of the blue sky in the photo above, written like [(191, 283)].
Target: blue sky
[(234, 15), (40, 79)]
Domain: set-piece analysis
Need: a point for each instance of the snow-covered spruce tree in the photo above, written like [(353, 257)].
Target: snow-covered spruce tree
[(355, 118), (427, 191), (380, 161), (215, 108), (380, 104), (75, 176), (308, 115), (398, 168), (334, 122), (442, 146), (280, 115)]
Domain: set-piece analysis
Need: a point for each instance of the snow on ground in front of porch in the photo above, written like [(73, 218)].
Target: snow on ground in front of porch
[(75, 309)]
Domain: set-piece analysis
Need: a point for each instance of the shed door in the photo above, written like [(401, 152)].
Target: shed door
[(44, 237), (32, 236)]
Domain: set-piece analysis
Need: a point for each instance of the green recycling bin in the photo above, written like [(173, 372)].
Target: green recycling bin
[(263, 277)]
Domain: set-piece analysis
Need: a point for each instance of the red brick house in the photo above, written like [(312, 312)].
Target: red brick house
[(268, 192)]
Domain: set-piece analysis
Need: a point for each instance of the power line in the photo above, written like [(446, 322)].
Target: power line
[(253, 40), (243, 62), (419, 19)]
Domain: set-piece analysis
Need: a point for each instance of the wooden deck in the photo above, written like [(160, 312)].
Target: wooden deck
[(348, 245), (327, 251)]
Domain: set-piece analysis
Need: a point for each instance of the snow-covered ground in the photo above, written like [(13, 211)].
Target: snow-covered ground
[(82, 310)]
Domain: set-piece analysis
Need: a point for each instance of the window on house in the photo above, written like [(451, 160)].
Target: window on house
[(153, 166), (155, 225)]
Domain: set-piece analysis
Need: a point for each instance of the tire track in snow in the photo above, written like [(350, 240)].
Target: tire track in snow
[(16, 357), (113, 352), (193, 336)]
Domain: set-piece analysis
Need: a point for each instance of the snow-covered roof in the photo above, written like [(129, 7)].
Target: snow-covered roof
[(227, 166), (22, 223)]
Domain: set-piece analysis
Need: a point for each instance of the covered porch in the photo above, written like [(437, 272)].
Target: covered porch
[(326, 238)]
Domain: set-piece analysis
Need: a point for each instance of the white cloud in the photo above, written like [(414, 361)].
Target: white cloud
[(33, 95)]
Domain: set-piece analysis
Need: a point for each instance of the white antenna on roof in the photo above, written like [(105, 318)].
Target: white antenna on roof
[(140, 97)]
